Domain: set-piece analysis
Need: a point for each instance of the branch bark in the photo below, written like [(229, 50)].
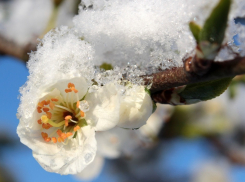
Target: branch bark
[(12, 49), (179, 76)]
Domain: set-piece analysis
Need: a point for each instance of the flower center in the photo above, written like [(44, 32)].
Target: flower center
[(62, 115)]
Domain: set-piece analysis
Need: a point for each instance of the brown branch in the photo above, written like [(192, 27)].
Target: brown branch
[(15, 50), (179, 76)]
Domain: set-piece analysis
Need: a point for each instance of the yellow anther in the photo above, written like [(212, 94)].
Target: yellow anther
[(69, 134), (68, 117), (54, 99), (45, 109), (49, 115), (54, 140), (70, 85), (60, 139), (76, 128), (47, 102), (63, 136), (66, 122), (82, 113), (51, 105), (44, 119), (59, 132), (40, 104), (68, 90), (47, 139), (78, 103), (39, 121), (39, 109), (46, 125), (73, 89)]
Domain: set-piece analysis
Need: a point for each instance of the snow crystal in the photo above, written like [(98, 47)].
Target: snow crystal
[(142, 33), (60, 55)]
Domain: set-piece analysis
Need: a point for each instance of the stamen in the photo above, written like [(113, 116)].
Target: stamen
[(49, 115), (62, 107), (66, 122), (60, 139), (54, 100), (39, 109), (51, 105), (82, 113), (63, 136), (76, 128), (43, 103), (68, 90), (59, 132), (47, 102), (46, 125), (78, 103), (69, 134), (73, 89), (45, 109), (54, 140), (70, 85), (39, 121), (44, 135), (40, 104), (73, 121), (68, 117), (47, 139)]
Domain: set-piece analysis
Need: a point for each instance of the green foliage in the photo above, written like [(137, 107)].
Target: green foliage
[(210, 37), (195, 29), (205, 90), (214, 28)]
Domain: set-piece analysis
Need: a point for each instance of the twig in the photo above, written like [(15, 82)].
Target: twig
[(12, 49), (179, 76)]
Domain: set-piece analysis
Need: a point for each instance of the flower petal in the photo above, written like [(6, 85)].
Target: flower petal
[(93, 169), (117, 142), (73, 157), (136, 108), (80, 84), (104, 108)]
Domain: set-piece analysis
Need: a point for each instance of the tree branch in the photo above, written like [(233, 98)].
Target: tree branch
[(12, 49), (179, 76)]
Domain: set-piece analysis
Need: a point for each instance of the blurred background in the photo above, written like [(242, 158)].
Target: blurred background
[(198, 143)]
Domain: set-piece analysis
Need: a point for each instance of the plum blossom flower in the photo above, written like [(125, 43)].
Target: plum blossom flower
[(61, 131), (136, 107)]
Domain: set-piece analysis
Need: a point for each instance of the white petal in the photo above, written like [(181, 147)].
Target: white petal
[(117, 142), (71, 158), (104, 108), (93, 169), (136, 108), (80, 84), (155, 122)]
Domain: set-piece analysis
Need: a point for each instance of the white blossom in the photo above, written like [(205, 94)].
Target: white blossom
[(61, 135), (136, 107)]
